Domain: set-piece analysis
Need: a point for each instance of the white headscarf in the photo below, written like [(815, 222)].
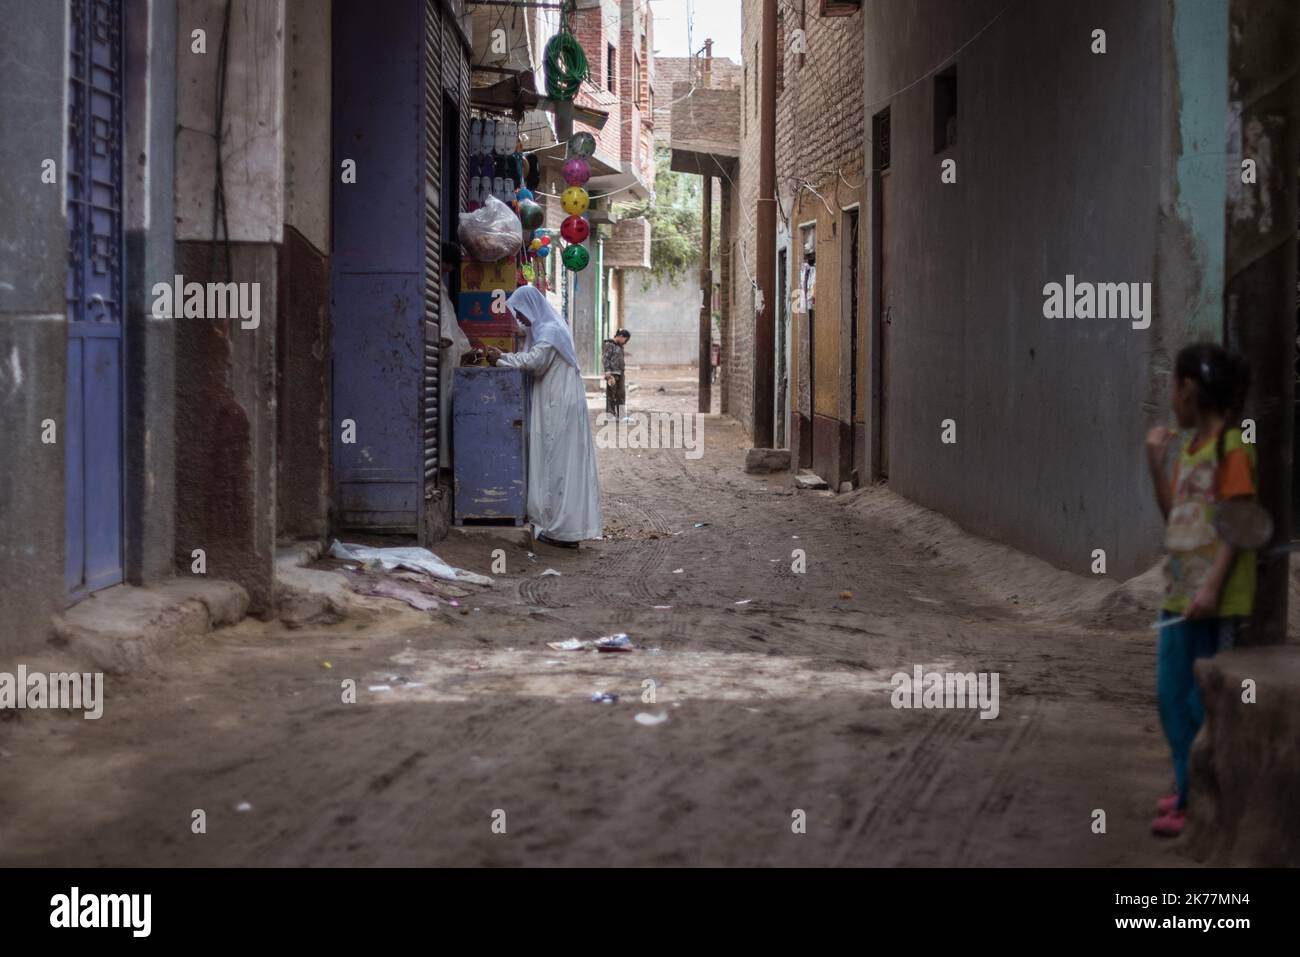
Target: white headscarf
[(547, 326)]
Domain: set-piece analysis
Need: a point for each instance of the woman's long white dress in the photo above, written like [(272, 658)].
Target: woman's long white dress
[(563, 486)]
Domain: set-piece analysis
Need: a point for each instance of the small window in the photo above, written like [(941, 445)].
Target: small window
[(880, 137), (611, 68), (840, 8), (636, 81), (945, 109)]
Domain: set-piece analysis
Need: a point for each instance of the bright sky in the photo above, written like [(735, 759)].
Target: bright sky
[(716, 19)]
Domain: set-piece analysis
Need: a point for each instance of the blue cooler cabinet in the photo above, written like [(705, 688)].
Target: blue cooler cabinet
[(490, 445)]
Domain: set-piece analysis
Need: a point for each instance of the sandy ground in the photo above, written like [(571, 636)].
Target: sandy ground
[(775, 687)]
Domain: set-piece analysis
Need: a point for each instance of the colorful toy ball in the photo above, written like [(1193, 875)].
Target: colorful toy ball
[(575, 230), (543, 251), (576, 257), (582, 144), (576, 171), (546, 240), (535, 245), (575, 200), (524, 193), (531, 214)]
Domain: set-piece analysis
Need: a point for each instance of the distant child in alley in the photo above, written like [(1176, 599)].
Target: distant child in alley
[(615, 380), (1209, 584)]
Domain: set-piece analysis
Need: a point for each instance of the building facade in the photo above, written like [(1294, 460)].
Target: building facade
[(987, 153), (216, 232)]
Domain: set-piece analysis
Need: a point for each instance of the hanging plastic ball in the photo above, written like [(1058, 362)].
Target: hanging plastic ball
[(535, 245), (546, 240), (543, 251), (582, 144), (575, 200), (575, 229), (531, 214), (576, 257), (524, 193), (576, 171)]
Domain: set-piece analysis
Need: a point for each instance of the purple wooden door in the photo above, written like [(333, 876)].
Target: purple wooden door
[(92, 426), (377, 308)]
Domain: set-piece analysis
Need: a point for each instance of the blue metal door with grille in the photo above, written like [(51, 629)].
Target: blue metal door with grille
[(92, 426)]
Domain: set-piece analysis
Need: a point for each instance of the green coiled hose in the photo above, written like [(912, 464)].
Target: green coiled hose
[(566, 67)]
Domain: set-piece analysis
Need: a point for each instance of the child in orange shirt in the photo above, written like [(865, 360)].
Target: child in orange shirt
[(1209, 585)]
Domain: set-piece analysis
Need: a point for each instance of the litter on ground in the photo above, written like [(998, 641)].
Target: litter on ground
[(417, 559)]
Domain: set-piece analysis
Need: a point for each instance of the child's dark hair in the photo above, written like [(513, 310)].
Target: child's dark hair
[(1222, 379)]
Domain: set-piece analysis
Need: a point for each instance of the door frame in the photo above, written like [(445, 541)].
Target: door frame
[(851, 292), (808, 357), (877, 400)]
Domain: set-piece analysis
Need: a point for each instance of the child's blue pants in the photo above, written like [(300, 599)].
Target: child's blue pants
[(1179, 698)]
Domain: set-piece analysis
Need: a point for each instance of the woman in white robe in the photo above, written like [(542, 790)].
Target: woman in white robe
[(563, 487)]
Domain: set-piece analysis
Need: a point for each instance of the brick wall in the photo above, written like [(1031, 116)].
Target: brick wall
[(669, 71), (628, 245), (596, 25), (738, 338), (819, 154)]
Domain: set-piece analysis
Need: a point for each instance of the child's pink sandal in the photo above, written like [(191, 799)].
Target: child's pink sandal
[(1169, 825), (1166, 804)]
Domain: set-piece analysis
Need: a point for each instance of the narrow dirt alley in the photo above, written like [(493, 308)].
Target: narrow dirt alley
[(775, 687)]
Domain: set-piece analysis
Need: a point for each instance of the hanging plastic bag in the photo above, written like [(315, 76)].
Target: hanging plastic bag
[(492, 232)]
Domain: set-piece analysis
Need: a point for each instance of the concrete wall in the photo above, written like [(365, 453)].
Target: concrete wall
[(302, 316), (1059, 159), (664, 319), (255, 127), (307, 120), (150, 355), (33, 333), (33, 327), (226, 466)]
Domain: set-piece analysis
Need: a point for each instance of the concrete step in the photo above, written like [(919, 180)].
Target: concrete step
[(124, 628), (808, 480)]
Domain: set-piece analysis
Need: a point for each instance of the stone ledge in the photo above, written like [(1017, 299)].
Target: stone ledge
[(1245, 763), (125, 627), (765, 461)]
